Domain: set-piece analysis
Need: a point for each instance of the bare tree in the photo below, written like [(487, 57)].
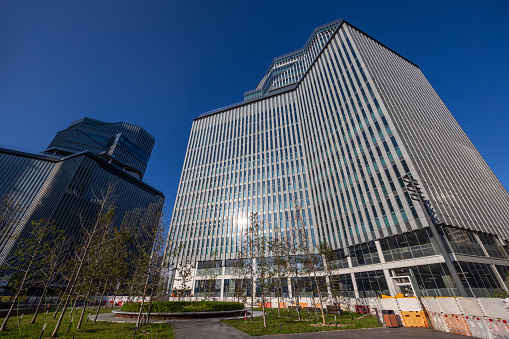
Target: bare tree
[(28, 256), (264, 262), (330, 257), (114, 263), (103, 220), (294, 261), (311, 261), (212, 271), (185, 272), (280, 262), (53, 263), (151, 245), (249, 252)]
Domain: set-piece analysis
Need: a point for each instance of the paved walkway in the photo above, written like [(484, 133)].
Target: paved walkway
[(216, 329), (210, 329), (368, 333)]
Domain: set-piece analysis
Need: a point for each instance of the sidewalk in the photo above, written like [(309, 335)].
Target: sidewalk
[(216, 329), (210, 329), (368, 333)]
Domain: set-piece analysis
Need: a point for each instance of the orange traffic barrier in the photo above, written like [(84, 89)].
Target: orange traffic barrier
[(413, 319), (457, 324)]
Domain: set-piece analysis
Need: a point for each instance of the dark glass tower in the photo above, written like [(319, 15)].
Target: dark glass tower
[(85, 159), (123, 145)]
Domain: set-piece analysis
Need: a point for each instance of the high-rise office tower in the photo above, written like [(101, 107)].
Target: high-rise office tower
[(123, 145), (63, 183), (336, 126)]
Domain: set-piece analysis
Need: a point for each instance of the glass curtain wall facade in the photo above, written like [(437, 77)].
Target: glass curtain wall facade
[(124, 145), (64, 189), (337, 138)]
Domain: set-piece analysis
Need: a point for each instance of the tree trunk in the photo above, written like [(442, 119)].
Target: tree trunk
[(278, 307), (263, 311), (143, 298), (58, 307), (74, 305), (313, 294), (84, 307), (252, 297), (148, 311), (46, 284), (319, 298), (21, 286), (71, 290), (4, 324), (100, 302), (59, 321), (141, 310), (279, 294), (43, 297), (60, 300), (297, 295)]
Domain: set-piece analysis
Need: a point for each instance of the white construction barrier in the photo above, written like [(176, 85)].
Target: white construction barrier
[(409, 304), (478, 327), (448, 305), (497, 328), (431, 305), (493, 308), (470, 306), (438, 322), (390, 304)]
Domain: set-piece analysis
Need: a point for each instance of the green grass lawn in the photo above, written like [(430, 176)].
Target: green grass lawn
[(292, 325), (98, 330)]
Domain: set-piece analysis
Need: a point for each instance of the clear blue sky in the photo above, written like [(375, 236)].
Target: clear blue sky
[(159, 64)]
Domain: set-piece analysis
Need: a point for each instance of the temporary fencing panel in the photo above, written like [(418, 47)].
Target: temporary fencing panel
[(431, 305), (414, 319), (478, 327), (497, 328), (409, 304), (493, 308), (438, 322), (390, 304), (457, 324), (503, 328), (448, 305), (470, 306), (486, 318)]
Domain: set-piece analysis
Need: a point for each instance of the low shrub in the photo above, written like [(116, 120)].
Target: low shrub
[(183, 306)]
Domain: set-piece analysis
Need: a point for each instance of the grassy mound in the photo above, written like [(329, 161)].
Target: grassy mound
[(183, 306)]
